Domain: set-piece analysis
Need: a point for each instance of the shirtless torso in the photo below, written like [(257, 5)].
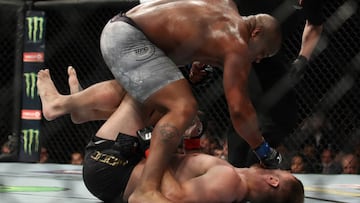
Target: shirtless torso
[(185, 181), (174, 27), (142, 49)]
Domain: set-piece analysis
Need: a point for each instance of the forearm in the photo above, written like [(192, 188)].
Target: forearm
[(245, 123), (241, 110), (310, 38)]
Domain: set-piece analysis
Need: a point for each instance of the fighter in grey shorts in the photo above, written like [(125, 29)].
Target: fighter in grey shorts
[(140, 66)]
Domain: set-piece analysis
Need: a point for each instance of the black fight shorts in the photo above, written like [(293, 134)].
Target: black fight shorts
[(108, 165)]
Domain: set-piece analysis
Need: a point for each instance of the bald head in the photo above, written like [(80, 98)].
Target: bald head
[(271, 31), (288, 190)]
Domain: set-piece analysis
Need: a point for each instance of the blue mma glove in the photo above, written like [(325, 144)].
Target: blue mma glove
[(268, 156)]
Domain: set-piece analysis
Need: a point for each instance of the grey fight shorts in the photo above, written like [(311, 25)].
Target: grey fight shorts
[(136, 63)]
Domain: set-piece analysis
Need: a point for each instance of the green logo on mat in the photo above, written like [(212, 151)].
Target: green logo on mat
[(4, 188)]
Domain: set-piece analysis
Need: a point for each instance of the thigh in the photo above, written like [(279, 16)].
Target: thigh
[(175, 96), (127, 119), (136, 63)]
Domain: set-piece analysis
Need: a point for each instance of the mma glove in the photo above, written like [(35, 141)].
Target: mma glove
[(268, 156), (144, 136), (297, 70), (199, 72)]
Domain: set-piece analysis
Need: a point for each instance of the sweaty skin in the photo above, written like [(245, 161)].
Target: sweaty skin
[(209, 180), (211, 32), (179, 30), (222, 41), (213, 180)]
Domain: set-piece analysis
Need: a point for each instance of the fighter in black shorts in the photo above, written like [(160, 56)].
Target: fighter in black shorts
[(108, 165), (113, 168)]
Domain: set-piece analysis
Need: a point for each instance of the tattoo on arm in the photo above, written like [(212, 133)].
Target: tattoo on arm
[(168, 132)]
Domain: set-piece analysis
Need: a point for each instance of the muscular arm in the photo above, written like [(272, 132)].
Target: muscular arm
[(242, 112), (310, 38)]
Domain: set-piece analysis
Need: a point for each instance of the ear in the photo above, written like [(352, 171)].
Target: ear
[(256, 32), (273, 180)]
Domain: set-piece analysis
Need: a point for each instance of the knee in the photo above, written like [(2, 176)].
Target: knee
[(109, 100), (112, 92), (188, 107)]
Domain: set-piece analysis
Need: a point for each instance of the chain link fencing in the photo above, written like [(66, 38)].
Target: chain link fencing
[(329, 89)]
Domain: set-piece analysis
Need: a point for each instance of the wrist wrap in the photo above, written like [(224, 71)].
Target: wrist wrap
[(263, 150)]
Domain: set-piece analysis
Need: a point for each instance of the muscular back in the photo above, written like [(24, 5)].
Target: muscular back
[(191, 30)]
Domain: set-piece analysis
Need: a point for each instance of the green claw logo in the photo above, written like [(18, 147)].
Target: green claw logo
[(35, 26), (30, 84), (30, 140)]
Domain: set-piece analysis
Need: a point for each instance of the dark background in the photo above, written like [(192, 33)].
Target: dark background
[(72, 38)]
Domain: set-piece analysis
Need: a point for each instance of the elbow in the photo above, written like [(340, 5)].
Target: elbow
[(241, 114), (237, 114)]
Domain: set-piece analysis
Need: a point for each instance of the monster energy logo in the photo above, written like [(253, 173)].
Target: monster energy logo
[(30, 84), (31, 140), (35, 26)]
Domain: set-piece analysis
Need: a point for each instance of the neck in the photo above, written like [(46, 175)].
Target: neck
[(244, 184), (250, 22)]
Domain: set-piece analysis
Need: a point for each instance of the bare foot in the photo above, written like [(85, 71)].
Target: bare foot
[(73, 81), (78, 116), (147, 197), (49, 95)]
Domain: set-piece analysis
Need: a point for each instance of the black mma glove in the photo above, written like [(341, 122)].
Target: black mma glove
[(144, 136), (298, 69), (268, 156)]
